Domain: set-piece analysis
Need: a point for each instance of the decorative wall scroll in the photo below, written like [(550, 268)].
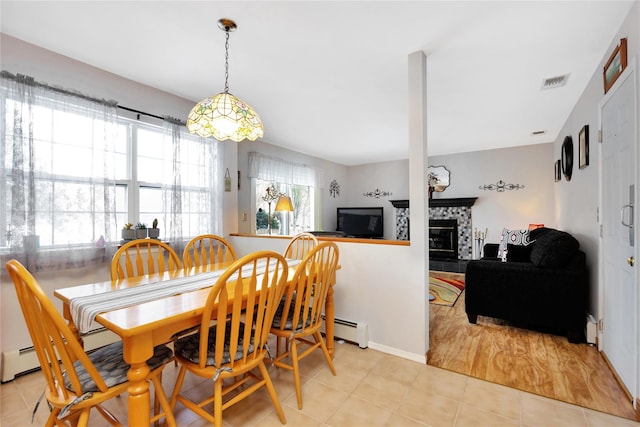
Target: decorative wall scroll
[(334, 189), (377, 193), (500, 186)]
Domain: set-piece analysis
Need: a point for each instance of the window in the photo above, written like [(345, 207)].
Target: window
[(170, 176), (75, 169), (300, 182), (300, 220), (58, 170)]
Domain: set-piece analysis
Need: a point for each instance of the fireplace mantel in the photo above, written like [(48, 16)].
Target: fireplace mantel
[(439, 203), (400, 203), (456, 202)]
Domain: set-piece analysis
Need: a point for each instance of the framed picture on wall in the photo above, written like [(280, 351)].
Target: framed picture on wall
[(557, 171), (583, 147), (615, 65)]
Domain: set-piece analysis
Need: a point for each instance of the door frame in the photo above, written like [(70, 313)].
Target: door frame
[(630, 72)]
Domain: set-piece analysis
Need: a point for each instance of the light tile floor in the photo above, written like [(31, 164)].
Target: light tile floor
[(371, 389)]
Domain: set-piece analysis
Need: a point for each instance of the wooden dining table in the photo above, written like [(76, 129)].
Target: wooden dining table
[(143, 326)]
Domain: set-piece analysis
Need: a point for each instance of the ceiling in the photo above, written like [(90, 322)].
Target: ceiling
[(329, 78)]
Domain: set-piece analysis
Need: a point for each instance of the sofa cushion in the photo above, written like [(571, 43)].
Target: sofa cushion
[(513, 237), (490, 250), (554, 249), (534, 234), (519, 253)]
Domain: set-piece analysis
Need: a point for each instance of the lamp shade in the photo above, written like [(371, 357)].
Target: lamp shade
[(284, 204), (225, 117)]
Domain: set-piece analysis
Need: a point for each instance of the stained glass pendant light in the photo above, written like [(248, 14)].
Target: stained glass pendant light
[(225, 116)]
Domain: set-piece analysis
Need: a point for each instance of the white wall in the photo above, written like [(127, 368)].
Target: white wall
[(530, 165), (577, 201), (392, 177)]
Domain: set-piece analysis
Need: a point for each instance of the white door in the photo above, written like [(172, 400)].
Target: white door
[(620, 289)]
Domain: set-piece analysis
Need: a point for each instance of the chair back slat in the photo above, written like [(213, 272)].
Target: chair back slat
[(300, 245), (304, 299), (143, 256), (207, 249), (247, 322)]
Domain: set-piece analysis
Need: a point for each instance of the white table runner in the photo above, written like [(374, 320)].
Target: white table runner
[(85, 309)]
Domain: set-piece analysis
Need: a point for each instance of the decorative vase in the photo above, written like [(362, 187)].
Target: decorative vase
[(153, 233), (128, 234), (141, 233)]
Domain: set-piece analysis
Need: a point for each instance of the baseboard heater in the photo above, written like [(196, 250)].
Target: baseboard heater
[(354, 332), (15, 362)]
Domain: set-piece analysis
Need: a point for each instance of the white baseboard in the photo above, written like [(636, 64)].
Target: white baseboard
[(17, 361), (420, 358)]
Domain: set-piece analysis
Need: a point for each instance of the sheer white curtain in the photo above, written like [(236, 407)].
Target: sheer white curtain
[(273, 169), (57, 168), (193, 197)]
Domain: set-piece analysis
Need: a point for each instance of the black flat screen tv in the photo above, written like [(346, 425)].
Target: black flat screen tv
[(366, 223)]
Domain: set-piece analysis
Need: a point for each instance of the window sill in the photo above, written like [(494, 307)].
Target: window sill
[(57, 259)]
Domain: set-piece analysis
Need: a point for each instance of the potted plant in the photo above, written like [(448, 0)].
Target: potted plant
[(154, 231), (128, 233), (262, 222), (141, 230)]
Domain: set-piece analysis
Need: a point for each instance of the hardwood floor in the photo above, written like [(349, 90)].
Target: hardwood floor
[(535, 362)]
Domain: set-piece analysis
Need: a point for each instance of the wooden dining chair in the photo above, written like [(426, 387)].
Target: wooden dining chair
[(230, 351), (76, 381), (207, 249), (299, 245), (299, 316), (143, 256)]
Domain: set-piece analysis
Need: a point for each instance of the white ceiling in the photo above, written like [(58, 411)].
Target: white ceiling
[(329, 78)]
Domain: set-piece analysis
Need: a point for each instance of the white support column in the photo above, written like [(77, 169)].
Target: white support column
[(419, 208)]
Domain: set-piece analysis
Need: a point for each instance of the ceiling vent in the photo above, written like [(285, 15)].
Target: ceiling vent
[(555, 82)]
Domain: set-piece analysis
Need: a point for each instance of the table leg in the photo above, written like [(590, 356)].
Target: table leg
[(139, 403), (66, 313), (329, 314)]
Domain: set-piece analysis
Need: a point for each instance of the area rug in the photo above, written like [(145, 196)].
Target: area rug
[(444, 291)]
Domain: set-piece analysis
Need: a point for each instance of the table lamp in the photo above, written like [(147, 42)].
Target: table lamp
[(284, 205)]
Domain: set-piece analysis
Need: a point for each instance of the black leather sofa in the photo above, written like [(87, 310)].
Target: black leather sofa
[(542, 286)]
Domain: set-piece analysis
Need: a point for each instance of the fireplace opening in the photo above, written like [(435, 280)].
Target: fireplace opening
[(443, 238)]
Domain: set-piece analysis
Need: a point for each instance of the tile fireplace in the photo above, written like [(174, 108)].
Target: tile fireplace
[(454, 210), (443, 239)]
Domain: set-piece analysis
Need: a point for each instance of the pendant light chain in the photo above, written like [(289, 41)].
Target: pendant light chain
[(226, 62)]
